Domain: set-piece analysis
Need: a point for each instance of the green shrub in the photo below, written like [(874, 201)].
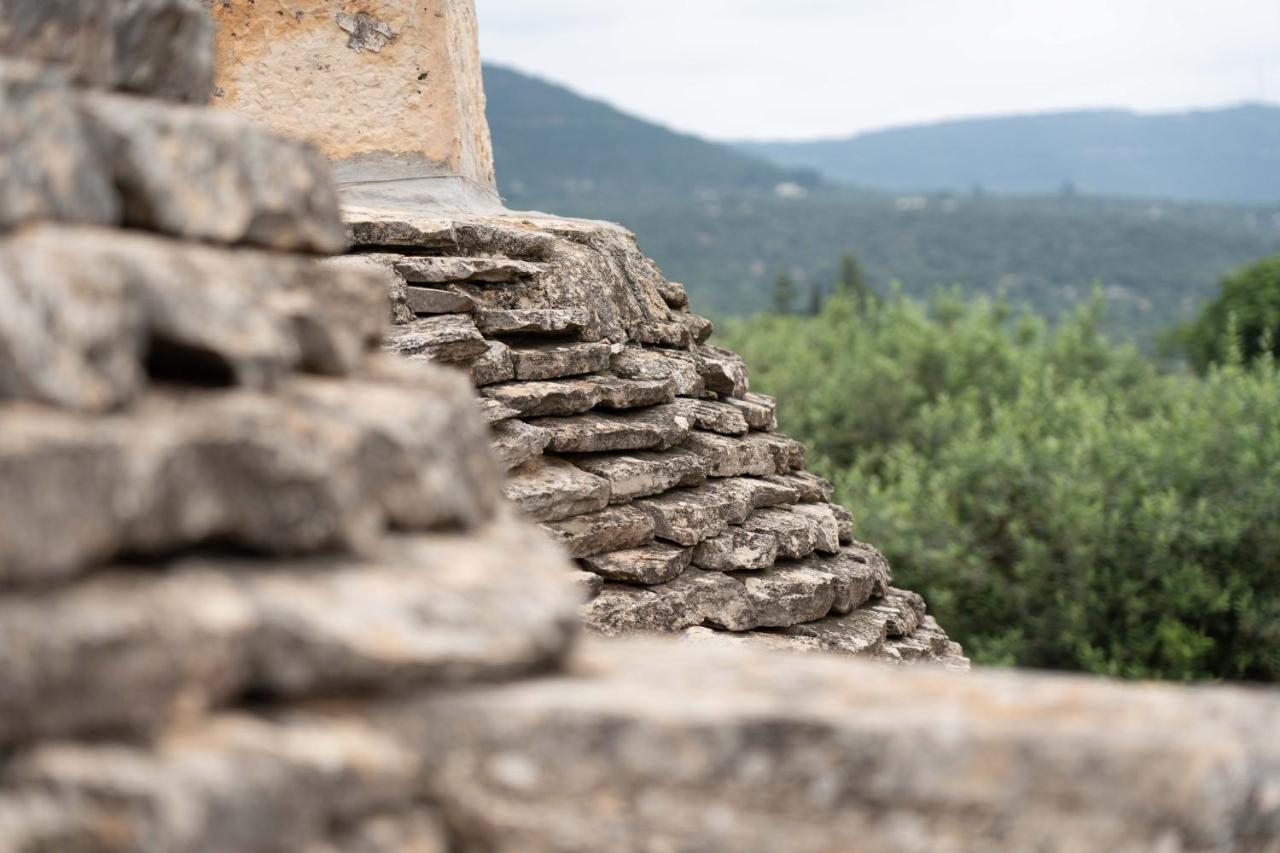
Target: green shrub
[(1060, 502), (1242, 324)]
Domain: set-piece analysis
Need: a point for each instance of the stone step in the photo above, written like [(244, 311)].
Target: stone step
[(737, 549), (714, 417), (554, 361), (516, 442), (617, 528), (447, 338), (641, 473), (658, 427), (447, 270), (550, 489), (657, 563), (125, 650), (553, 397), (796, 535)]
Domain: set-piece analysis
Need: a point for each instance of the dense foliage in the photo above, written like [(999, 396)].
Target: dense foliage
[(1060, 501), (716, 219), (1242, 324)]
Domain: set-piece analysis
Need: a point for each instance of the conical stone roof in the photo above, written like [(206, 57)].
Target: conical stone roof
[(636, 443)]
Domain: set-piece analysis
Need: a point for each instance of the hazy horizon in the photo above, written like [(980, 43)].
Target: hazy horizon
[(823, 69)]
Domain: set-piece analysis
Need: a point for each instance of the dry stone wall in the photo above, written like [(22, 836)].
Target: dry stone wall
[(637, 444), (260, 588)]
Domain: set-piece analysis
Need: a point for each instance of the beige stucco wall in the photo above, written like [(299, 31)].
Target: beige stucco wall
[(390, 89)]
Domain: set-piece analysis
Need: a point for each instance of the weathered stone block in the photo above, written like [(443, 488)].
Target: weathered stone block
[(158, 48), (50, 168), (553, 361), (448, 338), (643, 473), (659, 427), (614, 529), (206, 175), (550, 489), (653, 564)]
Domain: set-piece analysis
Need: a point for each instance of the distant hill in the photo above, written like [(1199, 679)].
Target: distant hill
[(1228, 155), (553, 143), (727, 224)]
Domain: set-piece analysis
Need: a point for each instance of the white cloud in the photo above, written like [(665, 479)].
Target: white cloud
[(808, 68)]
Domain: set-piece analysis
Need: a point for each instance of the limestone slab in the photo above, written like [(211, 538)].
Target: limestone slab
[(656, 563), (50, 168), (493, 365), (619, 394), (827, 525), (659, 427), (737, 549), (516, 442), (207, 175), (617, 528), (447, 338), (157, 48), (714, 417), (553, 361), (642, 473), (797, 535), (549, 489), (761, 411), (552, 398), (730, 456), (789, 595), (651, 364), (430, 300), (447, 269), (533, 321)]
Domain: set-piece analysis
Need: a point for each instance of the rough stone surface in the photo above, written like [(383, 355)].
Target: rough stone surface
[(715, 417), (652, 564), (85, 314), (429, 300), (448, 338), (449, 270), (195, 173), (516, 442), (659, 427), (735, 550), (561, 397), (158, 48), (614, 529), (642, 473), (552, 361), (50, 168), (493, 365), (550, 489), (748, 767)]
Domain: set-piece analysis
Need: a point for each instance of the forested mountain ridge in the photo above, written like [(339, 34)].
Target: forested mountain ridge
[(727, 224), (1226, 155)]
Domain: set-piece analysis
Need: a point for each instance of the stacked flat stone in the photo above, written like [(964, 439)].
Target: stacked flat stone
[(217, 494), (635, 443)]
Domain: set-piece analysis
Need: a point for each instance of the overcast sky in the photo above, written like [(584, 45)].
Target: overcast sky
[(773, 69)]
